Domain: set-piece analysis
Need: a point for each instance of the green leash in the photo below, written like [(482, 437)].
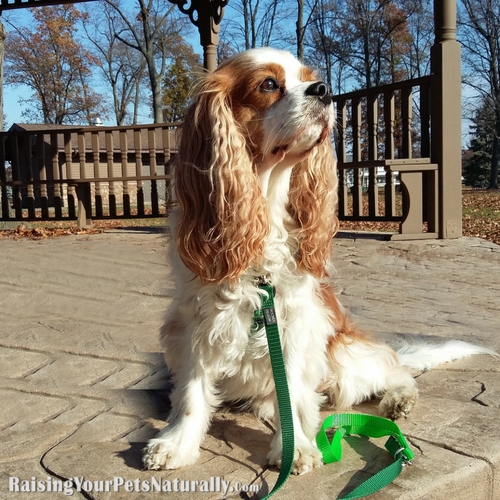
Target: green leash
[(371, 426), (345, 424), (267, 315)]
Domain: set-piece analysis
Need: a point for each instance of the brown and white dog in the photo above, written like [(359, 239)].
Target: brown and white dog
[(256, 187)]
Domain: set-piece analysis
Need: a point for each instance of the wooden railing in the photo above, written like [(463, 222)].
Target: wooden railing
[(385, 142), (85, 173)]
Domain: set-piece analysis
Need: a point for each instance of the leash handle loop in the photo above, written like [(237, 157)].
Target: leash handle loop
[(362, 425), (371, 426)]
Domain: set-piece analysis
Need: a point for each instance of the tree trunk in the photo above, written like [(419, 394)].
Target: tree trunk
[(246, 20), (2, 53), (300, 29), (136, 101), (156, 94), (495, 156)]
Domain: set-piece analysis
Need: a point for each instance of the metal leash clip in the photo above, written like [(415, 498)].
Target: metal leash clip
[(406, 460), (398, 448)]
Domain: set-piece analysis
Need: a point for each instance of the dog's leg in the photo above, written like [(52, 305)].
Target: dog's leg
[(306, 403), (193, 403), (307, 456), (305, 327), (361, 369)]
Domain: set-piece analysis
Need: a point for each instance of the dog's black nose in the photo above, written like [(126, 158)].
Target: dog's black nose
[(322, 91)]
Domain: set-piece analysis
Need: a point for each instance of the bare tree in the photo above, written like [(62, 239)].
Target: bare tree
[(153, 30), (254, 23), (367, 37), (302, 24), (122, 67), (479, 34), (325, 50), (421, 37), (224, 49)]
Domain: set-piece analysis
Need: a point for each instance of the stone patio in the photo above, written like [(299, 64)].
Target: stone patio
[(84, 384)]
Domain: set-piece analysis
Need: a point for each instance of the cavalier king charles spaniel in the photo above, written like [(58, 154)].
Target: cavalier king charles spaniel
[(256, 191)]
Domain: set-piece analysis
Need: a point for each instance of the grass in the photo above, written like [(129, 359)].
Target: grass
[(481, 214)]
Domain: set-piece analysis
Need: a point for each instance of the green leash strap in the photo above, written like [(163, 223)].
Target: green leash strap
[(345, 424), (280, 380), (371, 426)]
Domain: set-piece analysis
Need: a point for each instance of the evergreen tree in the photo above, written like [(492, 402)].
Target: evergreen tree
[(480, 40), (477, 168), (179, 79)]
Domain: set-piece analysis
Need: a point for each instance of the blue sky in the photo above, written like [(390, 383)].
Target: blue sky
[(11, 107)]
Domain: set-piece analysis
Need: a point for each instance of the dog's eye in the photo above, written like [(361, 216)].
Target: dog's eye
[(269, 85)]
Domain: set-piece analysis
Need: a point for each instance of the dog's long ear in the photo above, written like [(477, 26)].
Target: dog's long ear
[(313, 204), (224, 219)]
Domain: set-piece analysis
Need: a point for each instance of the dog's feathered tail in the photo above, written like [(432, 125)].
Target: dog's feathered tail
[(423, 355)]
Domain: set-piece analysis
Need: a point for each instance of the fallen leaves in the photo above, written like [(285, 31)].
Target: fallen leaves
[(40, 233), (371, 227)]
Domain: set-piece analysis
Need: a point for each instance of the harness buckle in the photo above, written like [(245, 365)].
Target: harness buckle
[(266, 315), (263, 280)]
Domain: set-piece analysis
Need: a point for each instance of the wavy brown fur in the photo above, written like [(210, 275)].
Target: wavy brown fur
[(313, 202), (224, 218)]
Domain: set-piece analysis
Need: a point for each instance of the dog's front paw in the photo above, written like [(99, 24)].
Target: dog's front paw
[(307, 457), (163, 453), (398, 402)]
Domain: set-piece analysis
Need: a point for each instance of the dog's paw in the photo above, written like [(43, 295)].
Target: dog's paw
[(162, 453), (398, 402), (307, 457)]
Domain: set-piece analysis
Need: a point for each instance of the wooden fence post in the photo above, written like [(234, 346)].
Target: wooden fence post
[(446, 119)]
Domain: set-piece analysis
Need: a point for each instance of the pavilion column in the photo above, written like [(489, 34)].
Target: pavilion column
[(446, 117), (206, 15)]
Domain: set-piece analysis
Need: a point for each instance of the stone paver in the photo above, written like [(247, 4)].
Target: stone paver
[(83, 384)]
